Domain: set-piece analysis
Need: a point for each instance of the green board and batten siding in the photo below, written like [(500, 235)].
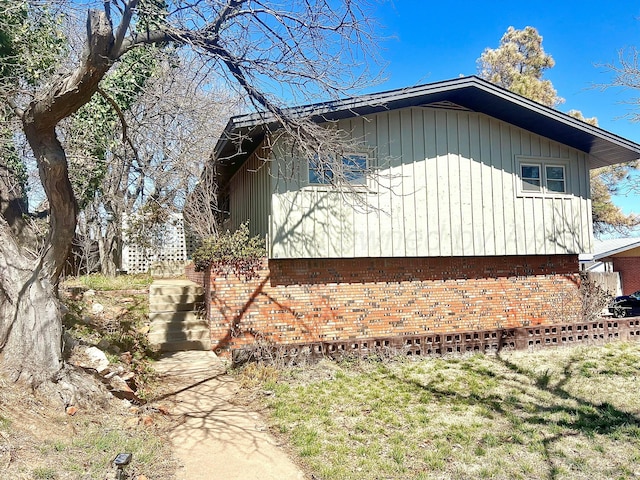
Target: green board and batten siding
[(250, 195), (446, 186)]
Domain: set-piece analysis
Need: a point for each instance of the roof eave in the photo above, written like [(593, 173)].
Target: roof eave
[(615, 251), (604, 148)]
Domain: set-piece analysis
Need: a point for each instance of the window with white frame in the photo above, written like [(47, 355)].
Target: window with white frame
[(351, 169), (556, 179), (319, 171), (531, 178), (545, 177)]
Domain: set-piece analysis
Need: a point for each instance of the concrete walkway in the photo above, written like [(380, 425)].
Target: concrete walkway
[(214, 439)]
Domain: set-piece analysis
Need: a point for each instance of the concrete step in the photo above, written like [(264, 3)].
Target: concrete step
[(173, 316), (175, 324), (175, 307), (184, 345), (176, 298), (164, 336), (176, 293), (170, 326), (183, 288)]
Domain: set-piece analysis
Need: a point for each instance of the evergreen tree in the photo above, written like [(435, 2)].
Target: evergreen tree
[(518, 65)]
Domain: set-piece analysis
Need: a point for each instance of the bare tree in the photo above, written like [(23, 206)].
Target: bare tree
[(626, 73), (312, 48), (157, 157), (202, 211)]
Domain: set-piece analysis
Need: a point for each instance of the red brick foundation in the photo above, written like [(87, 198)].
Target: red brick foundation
[(629, 268), (305, 301)]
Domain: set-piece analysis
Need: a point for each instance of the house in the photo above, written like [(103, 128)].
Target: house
[(466, 209), (620, 259)]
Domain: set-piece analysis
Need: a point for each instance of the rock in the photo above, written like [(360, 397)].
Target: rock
[(144, 329), (97, 308), (120, 389), (132, 422), (126, 357), (94, 358), (71, 410), (104, 344), (147, 421), (69, 341), (142, 477), (64, 309), (89, 293)]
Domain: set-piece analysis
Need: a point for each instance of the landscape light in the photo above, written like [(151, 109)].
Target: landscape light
[(121, 461)]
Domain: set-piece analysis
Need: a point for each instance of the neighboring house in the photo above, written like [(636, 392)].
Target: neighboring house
[(472, 206), (620, 256)]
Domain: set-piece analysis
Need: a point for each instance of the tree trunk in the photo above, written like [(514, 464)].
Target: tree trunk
[(30, 316), (14, 206), (110, 250), (31, 348), (31, 328), (63, 210), (31, 345)]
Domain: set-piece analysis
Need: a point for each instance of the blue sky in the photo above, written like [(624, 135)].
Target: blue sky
[(431, 41)]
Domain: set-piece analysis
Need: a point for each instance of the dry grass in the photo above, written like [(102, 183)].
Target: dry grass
[(97, 281), (39, 441), (554, 414)]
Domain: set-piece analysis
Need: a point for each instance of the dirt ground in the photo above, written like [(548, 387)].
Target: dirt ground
[(40, 440)]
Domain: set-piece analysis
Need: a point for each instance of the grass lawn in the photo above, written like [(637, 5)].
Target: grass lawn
[(97, 281), (555, 414)]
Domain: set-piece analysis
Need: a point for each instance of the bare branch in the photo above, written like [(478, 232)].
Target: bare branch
[(123, 121), (125, 22), (19, 112)]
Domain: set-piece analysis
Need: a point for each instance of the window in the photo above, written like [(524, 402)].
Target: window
[(352, 169), (555, 178), (319, 171), (544, 178), (530, 175)]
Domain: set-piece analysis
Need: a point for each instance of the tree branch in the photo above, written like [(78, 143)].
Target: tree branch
[(148, 38), (69, 93), (123, 121), (229, 11), (14, 106), (123, 27)]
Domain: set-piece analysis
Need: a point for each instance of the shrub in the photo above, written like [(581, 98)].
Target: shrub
[(236, 252)]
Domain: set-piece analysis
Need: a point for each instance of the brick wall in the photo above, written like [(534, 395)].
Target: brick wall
[(328, 300), (629, 268)]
